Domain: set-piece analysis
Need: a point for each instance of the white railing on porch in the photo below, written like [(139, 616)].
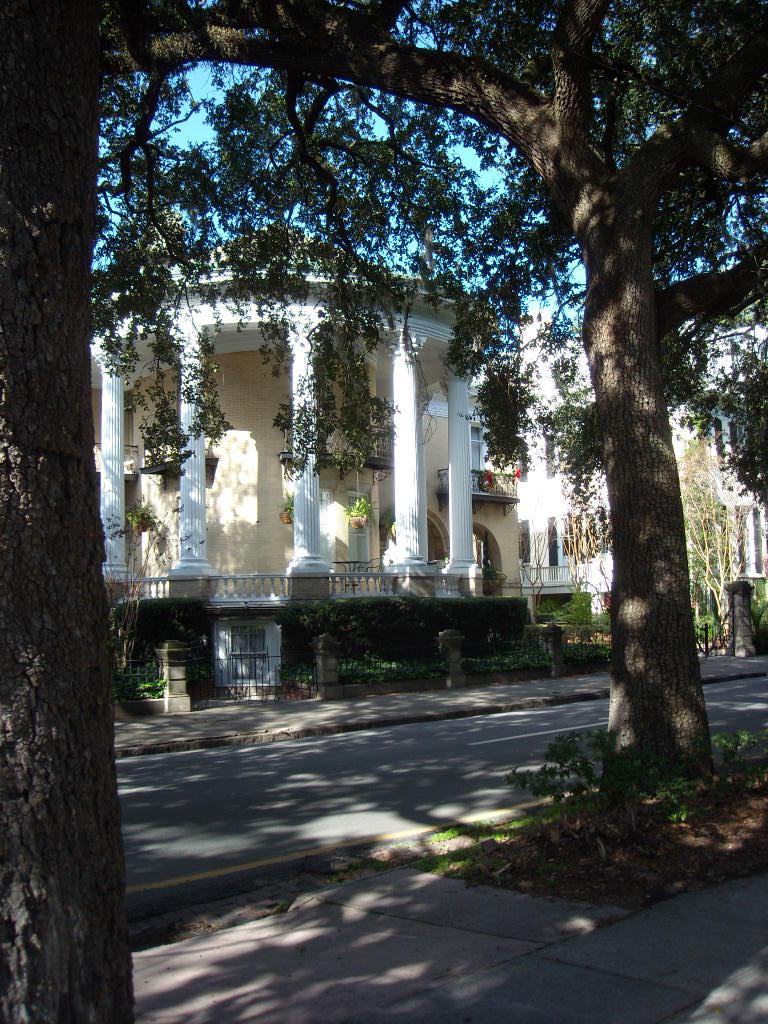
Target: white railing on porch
[(544, 574), (361, 584), (251, 587), (153, 587), (446, 586)]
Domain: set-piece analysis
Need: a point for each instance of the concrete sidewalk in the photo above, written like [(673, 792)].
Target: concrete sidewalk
[(256, 722), (406, 946)]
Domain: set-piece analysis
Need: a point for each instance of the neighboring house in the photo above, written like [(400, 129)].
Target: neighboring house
[(222, 536), (555, 558), (549, 568)]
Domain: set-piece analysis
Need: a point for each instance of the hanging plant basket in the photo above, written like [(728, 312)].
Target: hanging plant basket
[(359, 512), (286, 512)]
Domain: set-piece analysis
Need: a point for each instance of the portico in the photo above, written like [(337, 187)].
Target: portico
[(214, 556)]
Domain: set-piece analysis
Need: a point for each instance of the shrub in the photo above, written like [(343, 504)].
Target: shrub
[(577, 610), (586, 653), (587, 769), (389, 624), (167, 618)]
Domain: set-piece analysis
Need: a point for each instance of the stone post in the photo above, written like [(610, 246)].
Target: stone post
[(327, 649), (552, 635), (742, 642), (172, 656), (451, 640)]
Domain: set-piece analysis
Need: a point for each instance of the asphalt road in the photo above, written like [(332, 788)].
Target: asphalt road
[(200, 823)]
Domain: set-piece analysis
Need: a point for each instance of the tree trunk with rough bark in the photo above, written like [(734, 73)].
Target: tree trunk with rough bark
[(64, 956), (656, 697)]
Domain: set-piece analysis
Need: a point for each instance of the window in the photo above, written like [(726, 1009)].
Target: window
[(552, 541), (524, 464), (525, 541), (327, 526), (757, 536), (358, 540), (247, 652), (477, 448), (549, 456), (717, 425)]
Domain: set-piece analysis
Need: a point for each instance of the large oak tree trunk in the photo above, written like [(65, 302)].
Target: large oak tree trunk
[(64, 955), (656, 697)]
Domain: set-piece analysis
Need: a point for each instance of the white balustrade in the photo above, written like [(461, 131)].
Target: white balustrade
[(153, 587), (251, 587), (361, 584), (544, 574), (446, 586)]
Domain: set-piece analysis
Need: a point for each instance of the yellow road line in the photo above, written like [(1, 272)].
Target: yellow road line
[(384, 837)]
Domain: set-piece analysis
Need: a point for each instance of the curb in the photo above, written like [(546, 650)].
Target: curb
[(258, 738)]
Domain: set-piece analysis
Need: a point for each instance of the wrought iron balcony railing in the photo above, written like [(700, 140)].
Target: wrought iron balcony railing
[(130, 459), (487, 486)]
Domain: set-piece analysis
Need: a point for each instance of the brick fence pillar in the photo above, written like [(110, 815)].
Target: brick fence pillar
[(552, 635), (742, 643), (450, 640), (173, 656), (327, 649)]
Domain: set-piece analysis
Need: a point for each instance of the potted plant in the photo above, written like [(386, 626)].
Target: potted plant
[(141, 517), (493, 580), (359, 512), (286, 512)]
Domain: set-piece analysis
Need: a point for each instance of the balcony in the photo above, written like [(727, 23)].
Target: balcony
[(380, 459), (488, 488), (546, 577), (130, 459)]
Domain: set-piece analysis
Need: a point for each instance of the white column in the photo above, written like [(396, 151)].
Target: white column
[(421, 495), (461, 561), (193, 559), (306, 495), (112, 496), (405, 394)]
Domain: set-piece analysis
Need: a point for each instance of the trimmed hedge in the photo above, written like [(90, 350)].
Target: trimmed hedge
[(168, 618), (386, 624)]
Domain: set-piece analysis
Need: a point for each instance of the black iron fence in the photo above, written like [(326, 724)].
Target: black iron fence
[(139, 679), (249, 677), (712, 640)]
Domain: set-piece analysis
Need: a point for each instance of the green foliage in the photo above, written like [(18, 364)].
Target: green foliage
[(734, 748), (549, 606), (584, 653), (577, 610), (589, 769), (529, 656), (372, 670), (141, 517), (360, 508), (137, 683), (287, 506), (164, 619), (378, 624)]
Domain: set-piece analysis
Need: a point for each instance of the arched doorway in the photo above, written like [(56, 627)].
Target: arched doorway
[(437, 539), (486, 547)]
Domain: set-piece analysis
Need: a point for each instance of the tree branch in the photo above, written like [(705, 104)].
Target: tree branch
[(713, 293), (322, 41), (574, 35), (714, 109), (726, 160), (142, 134)]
